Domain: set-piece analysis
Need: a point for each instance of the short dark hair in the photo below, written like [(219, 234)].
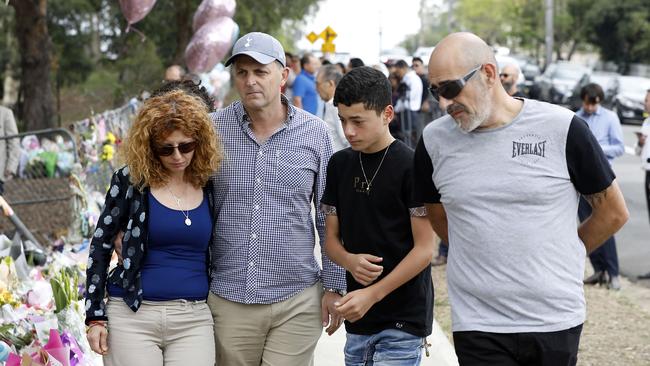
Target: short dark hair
[(190, 87), (364, 85), (416, 59), (356, 62), (592, 93), (330, 72), (304, 60), (401, 64), (326, 62)]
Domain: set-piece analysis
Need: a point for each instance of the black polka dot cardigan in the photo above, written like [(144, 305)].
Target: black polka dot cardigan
[(125, 209)]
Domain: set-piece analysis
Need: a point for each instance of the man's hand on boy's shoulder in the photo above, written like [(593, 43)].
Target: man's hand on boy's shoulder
[(356, 304), (363, 268)]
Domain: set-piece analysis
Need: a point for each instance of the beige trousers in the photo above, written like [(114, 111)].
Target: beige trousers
[(169, 333), (280, 334)]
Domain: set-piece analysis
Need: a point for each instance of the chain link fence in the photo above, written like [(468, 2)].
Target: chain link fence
[(42, 191)]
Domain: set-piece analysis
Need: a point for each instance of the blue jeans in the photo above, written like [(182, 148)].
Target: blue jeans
[(390, 347)]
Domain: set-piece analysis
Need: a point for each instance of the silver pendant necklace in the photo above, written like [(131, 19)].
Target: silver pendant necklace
[(369, 183), (186, 214)]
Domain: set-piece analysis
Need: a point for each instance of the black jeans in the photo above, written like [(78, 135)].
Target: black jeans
[(518, 349)]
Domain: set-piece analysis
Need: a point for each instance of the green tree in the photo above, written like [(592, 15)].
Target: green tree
[(267, 15), (621, 31)]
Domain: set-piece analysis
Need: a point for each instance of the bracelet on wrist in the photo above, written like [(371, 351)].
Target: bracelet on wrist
[(96, 323), (333, 290)]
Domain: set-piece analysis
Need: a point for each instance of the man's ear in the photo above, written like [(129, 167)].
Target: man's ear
[(491, 73), (388, 114), (285, 76)]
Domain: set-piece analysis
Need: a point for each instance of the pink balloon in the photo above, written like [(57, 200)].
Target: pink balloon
[(135, 10), (213, 9), (209, 44)]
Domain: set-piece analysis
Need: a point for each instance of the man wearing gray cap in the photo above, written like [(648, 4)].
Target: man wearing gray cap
[(269, 298)]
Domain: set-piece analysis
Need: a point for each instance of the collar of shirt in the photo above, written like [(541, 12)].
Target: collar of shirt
[(310, 76), (242, 116), (584, 115)]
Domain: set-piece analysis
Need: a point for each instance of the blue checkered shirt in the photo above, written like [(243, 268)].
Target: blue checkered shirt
[(263, 243)]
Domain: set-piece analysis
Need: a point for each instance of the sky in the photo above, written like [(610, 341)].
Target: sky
[(358, 23)]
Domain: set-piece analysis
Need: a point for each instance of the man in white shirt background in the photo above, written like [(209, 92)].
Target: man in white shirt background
[(643, 149)]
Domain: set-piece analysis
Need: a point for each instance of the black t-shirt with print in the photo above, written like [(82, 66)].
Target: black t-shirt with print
[(378, 222)]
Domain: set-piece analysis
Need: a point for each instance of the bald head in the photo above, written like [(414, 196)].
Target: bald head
[(457, 53), (511, 69), (509, 75)]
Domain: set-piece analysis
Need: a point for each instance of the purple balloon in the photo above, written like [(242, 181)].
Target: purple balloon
[(135, 10), (209, 44), (212, 9)]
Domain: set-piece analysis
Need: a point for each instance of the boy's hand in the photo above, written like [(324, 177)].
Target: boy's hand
[(363, 269), (356, 304)]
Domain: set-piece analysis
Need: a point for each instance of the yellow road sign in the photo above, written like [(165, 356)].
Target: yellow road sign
[(328, 34), (312, 37), (328, 47)]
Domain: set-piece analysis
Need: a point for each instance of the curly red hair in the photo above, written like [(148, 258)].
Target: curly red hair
[(158, 118)]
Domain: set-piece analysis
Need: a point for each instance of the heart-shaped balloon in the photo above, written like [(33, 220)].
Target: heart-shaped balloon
[(135, 10), (212, 9), (210, 44)]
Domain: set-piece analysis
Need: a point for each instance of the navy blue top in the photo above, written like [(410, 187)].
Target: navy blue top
[(174, 266)]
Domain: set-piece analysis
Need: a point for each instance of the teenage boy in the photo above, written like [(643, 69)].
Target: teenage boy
[(376, 231)]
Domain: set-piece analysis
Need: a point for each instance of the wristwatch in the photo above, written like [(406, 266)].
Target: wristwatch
[(339, 292)]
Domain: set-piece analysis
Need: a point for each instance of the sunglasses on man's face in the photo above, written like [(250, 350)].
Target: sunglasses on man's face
[(451, 88), (184, 148)]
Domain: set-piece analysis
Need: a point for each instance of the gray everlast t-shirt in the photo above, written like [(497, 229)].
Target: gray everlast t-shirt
[(511, 196)]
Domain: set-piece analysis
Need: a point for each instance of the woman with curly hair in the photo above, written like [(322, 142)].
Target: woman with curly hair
[(156, 313)]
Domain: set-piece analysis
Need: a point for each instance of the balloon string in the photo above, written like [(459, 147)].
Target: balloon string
[(130, 27)]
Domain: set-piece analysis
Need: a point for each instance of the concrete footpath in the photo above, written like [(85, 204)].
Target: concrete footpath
[(329, 351)]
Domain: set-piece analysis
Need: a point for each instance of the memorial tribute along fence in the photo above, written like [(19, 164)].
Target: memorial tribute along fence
[(42, 192)]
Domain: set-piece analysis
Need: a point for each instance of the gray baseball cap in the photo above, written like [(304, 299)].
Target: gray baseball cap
[(260, 46)]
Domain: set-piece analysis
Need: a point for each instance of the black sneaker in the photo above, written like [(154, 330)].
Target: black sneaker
[(644, 276)]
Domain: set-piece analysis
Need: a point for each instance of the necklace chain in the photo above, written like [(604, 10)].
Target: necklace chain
[(186, 214), (369, 183)]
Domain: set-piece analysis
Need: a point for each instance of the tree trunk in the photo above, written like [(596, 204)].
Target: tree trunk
[(574, 47), (184, 19), (34, 45)]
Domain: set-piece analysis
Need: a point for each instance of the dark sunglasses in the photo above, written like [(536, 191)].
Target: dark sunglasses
[(451, 88), (183, 148)]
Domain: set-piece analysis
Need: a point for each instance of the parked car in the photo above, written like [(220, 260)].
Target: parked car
[(559, 80), (629, 96), (606, 80)]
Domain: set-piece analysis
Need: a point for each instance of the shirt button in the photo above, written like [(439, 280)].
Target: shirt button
[(251, 264), (254, 236), (257, 207), (260, 153), (258, 180)]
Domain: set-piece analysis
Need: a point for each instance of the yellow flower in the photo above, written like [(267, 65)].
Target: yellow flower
[(110, 138)]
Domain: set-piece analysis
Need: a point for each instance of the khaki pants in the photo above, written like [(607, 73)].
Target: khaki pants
[(280, 334), (169, 333)]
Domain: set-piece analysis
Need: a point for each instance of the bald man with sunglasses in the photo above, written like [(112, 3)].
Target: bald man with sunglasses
[(501, 178)]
